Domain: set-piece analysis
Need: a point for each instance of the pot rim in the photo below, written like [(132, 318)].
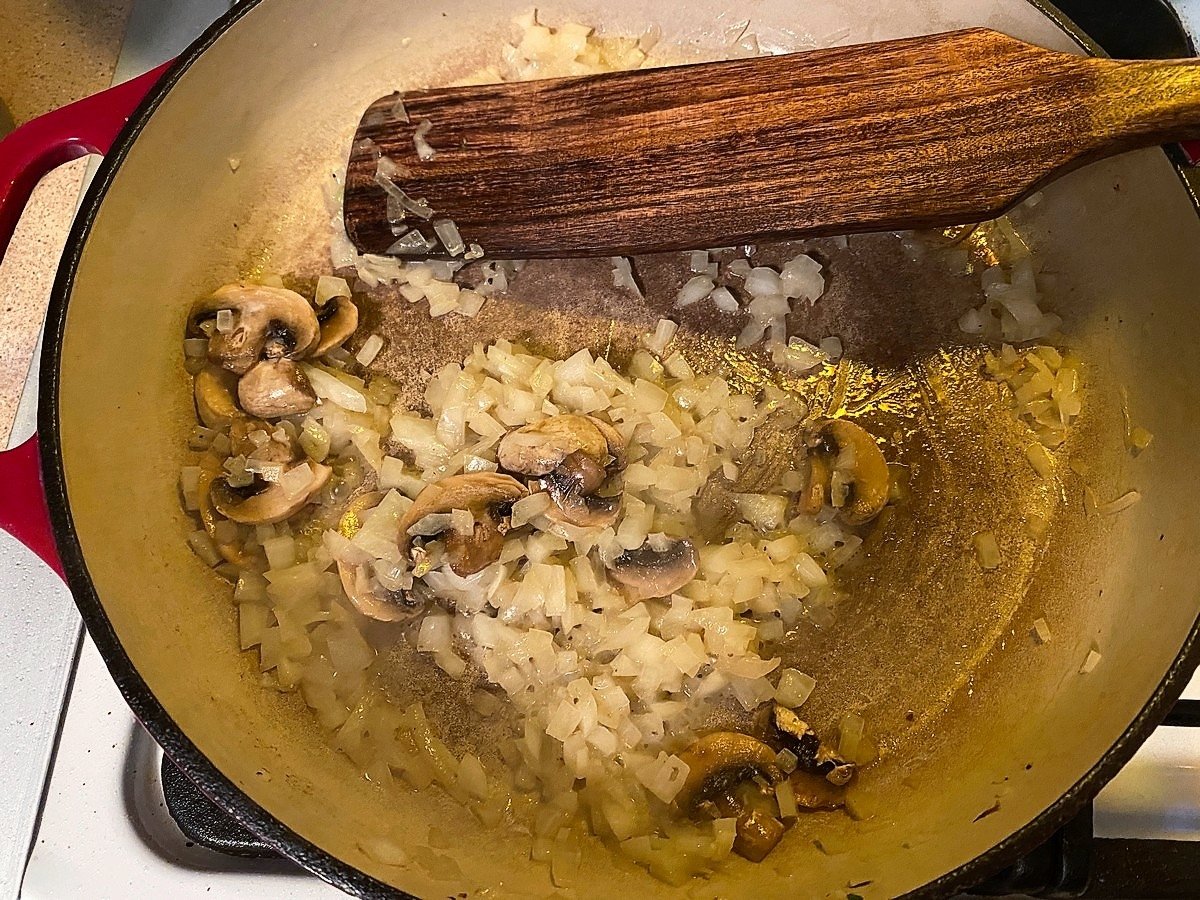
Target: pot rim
[(204, 773)]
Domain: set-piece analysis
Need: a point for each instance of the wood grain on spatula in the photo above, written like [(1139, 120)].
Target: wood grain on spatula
[(926, 131)]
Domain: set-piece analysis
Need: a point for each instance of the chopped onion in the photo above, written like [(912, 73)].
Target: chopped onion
[(724, 300), (622, 275), (832, 347), (447, 232), (1040, 459), (1122, 503), (695, 290), (328, 287), (1089, 664), (1041, 631), (794, 688), (785, 798), (411, 244), (370, 349), (987, 550), (664, 333), (329, 387), (425, 152)]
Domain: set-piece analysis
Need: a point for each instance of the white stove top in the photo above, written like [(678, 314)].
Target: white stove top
[(104, 830)]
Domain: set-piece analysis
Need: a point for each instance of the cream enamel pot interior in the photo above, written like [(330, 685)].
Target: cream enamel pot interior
[(997, 724)]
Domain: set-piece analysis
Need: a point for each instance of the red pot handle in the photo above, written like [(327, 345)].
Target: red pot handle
[(88, 126)]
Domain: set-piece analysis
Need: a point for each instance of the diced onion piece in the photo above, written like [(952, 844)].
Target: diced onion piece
[(1089, 664), (1139, 438), (785, 797), (664, 332), (203, 546), (1122, 503), (525, 509), (447, 233), (695, 290), (331, 388), (370, 349), (794, 688), (224, 321), (787, 761), (411, 244), (1041, 631), (850, 735), (195, 348), (987, 550), (425, 152), (801, 278), (328, 287), (724, 300), (1040, 459), (832, 347)]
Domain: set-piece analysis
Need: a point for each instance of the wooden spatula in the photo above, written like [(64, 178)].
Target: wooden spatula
[(938, 130)]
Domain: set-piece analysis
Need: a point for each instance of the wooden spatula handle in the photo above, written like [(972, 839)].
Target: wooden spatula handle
[(1144, 103), (920, 132)]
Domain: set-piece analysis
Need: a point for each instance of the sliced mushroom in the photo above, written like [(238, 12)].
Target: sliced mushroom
[(370, 600), (846, 455), (615, 442), (571, 488), (266, 503), (720, 766), (487, 496), (540, 448), (215, 390), (338, 320), (275, 388), (658, 568), (819, 473), (268, 321), (230, 552), (574, 456), (720, 761)]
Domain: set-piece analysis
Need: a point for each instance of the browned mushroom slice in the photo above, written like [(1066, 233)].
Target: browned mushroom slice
[(267, 503), (371, 601), (722, 767), (658, 568), (540, 448), (570, 486), (215, 389), (275, 388), (230, 552), (487, 496), (615, 442), (720, 761), (266, 321), (338, 319), (848, 470)]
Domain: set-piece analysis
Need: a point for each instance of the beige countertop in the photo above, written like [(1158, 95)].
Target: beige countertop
[(52, 52)]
